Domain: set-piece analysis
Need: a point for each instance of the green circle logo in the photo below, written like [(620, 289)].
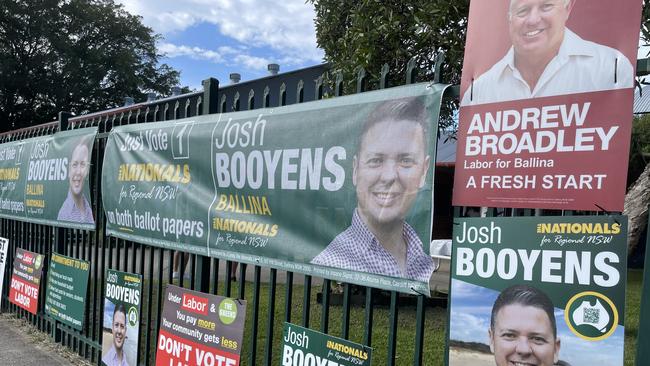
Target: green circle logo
[(591, 316), (38, 261), (227, 311), (133, 316)]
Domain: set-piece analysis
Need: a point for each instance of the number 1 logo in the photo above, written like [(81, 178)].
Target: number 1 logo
[(181, 140)]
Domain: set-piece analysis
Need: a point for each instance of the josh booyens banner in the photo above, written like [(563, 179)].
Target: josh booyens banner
[(26, 280), (340, 188), (554, 135), (538, 290), (45, 179), (200, 329), (304, 346), (67, 286), (121, 324)]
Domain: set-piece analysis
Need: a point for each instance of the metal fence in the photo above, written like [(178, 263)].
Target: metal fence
[(272, 293)]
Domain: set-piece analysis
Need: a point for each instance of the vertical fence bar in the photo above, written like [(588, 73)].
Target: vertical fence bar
[(306, 303), (643, 340), (369, 310), (268, 357), (228, 284), (392, 329), (325, 302), (345, 324), (160, 291), (242, 280), (419, 332), (215, 275), (256, 312), (147, 324), (288, 296)]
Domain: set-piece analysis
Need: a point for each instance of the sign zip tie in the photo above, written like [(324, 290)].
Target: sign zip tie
[(606, 212), (417, 292)]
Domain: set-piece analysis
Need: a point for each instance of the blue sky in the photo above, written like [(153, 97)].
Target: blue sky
[(471, 306), (213, 38)]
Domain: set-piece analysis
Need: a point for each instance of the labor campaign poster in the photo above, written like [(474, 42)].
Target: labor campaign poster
[(26, 280), (4, 247), (538, 291), (303, 346), (44, 179), (121, 322), (198, 329), (67, 286), (546, 104), (339, 188)]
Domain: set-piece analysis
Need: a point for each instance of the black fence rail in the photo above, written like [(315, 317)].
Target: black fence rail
[(365, 315)]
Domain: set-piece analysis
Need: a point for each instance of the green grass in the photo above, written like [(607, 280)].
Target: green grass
[(632, 311)]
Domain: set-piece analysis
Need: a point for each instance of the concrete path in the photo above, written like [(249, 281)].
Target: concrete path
[(21, 345)]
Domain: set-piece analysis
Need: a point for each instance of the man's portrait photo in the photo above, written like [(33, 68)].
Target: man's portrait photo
[(114, 352), (545, 57), (523, 329), (76, 206), (389, 168)]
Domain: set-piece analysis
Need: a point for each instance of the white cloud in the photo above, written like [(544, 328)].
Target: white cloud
[(224, 55), (287, 26), (252, 62), (469, 328), (197, 53)]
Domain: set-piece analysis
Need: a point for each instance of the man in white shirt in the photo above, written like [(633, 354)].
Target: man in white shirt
[(548, 59)]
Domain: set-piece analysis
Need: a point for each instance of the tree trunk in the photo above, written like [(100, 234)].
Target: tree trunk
[(637, 200)]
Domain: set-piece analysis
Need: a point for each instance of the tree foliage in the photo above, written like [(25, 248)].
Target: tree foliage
[(639, 148), (645, 24), (73, 55), (370, 33)]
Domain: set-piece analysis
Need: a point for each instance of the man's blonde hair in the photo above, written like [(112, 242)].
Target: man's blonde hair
[(566, 5)]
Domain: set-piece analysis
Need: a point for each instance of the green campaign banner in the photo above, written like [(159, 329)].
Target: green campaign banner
[(338, 188), (538, 291), (67, 286), (121, 324), (44, 180), (198, 329), (26, 280), (303, 346)]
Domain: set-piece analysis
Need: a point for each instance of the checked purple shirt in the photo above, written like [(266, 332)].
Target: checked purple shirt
[(70, 212), (357, 249)]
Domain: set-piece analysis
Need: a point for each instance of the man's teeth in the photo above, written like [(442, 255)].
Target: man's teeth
[(533, 33), (385, 195)]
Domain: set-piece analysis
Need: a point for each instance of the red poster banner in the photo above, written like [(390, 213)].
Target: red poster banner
[(546, 108), (26, 280), (175, 350), (198, 329), (24, 295)]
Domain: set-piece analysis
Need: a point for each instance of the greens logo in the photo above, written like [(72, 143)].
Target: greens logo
[(591, 316), (38, 262), (227, 311), (133, 316)]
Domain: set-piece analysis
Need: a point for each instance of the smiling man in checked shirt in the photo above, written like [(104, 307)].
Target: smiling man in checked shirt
[(388, 170), (76, 207)]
